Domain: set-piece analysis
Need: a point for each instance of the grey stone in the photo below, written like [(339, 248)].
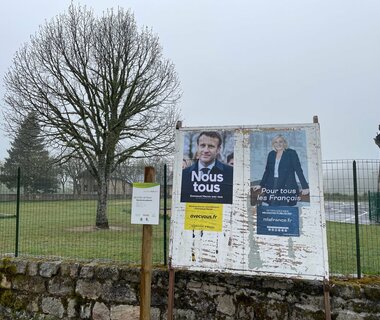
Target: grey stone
[(20, 266), (85, 311), (33, 268), (348, 315), (155, 314), (87, 272), (49, 269), (105, 272), (53, 307), (88, 289), (100, 312), (61, 286), (71, 309), (225, 305), (4, 282), (70, 269), (31, 284), (119, 292), (124, 312), (180, 314)]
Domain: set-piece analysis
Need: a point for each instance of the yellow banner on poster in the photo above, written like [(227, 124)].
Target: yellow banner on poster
[(204, 216)]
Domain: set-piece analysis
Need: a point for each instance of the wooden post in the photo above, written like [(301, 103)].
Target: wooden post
[(146, 259)]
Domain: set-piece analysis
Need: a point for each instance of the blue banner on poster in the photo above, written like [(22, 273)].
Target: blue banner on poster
[(278, 221)]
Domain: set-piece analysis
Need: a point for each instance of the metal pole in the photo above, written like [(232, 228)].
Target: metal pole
[(369, 206), (17, 212), (171, 291), (356, 221), (326, 294), (165, 213)]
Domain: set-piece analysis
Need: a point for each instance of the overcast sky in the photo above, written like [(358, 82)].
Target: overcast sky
[(252, 62)]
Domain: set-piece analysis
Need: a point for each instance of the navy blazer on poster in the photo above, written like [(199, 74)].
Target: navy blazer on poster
[(214, 191), (288, 167)]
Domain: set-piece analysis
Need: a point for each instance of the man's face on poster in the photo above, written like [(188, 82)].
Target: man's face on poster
[(208, 149)]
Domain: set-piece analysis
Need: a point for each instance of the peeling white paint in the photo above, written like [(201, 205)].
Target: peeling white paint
[(238, 248)]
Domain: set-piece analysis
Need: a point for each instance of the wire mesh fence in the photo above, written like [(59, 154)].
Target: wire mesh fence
[(62, 224), (353, 232)]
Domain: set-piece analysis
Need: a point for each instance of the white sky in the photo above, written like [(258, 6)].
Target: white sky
[(252, 62)]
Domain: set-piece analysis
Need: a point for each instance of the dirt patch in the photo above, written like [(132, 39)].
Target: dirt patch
[(94, 229)]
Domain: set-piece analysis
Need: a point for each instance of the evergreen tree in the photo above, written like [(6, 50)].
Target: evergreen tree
[(28, 152)]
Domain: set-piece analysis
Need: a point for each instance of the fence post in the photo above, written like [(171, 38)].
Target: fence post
[(165, 213), (17, 212), (369, 206), (358, 267), (146, 259)]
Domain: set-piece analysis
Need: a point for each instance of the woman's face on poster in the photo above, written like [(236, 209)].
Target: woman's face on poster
[(278, 144)]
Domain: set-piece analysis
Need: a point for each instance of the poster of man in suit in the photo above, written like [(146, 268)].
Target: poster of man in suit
[(206, 176)]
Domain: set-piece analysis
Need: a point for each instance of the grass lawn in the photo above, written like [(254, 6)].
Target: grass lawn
[(341, 240), (66, 229)]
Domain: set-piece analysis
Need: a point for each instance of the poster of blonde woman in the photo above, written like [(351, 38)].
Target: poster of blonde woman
[(279, 180)]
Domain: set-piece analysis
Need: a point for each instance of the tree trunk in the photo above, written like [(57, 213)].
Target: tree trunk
[(101, 211)]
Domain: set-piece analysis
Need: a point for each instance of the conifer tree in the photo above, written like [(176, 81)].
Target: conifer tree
[(28, 152)]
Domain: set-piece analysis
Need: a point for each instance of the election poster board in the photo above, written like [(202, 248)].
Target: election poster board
[(249, 200)]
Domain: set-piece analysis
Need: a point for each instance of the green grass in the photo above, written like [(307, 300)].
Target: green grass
[(66, 229), (341, 240)]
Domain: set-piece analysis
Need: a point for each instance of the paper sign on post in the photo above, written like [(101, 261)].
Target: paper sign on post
[(145, 203)]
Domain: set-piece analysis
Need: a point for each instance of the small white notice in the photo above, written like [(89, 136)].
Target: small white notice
[(145, 203)]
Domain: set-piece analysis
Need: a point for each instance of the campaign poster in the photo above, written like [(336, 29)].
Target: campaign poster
[(207, 167), (278, 221), (204, 217), (279, 171), (270, 222)]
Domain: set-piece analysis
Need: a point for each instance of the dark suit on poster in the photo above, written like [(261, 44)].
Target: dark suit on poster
[(216, 188), (286, 182)]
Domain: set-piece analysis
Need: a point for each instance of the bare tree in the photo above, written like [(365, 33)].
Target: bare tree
[(72, 167), (100, 87)]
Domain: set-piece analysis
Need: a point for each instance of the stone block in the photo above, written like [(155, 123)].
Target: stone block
[(61, 286), (33, 268), (4, 282), (225, 305), (87, 272), (123, 312), (107, 272), (53, 307), (70, 269), (49, 269), (71, 309), (119, 292), (85, 311), (88, 289), (100, 312)]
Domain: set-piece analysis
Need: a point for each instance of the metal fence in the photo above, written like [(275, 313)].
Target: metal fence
[(353, 229), (63, 225)]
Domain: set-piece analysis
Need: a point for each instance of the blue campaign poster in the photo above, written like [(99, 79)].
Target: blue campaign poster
[(278, 221)]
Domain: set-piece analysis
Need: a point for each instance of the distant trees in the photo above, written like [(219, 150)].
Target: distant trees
[(28, 152), (100, 88)]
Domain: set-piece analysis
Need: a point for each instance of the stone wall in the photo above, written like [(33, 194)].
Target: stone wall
[(40, 289)]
